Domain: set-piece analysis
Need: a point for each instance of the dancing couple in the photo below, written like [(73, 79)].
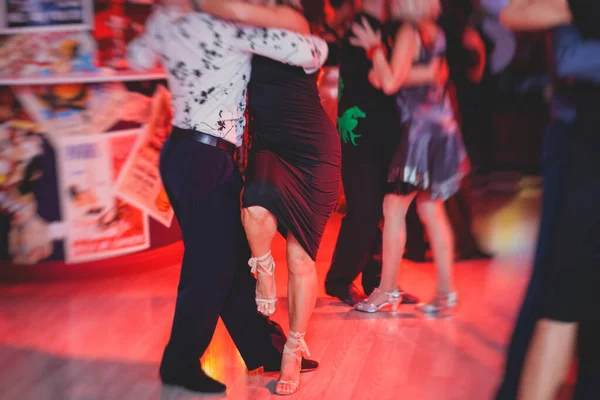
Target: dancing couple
[(292, 184), (413, 131)]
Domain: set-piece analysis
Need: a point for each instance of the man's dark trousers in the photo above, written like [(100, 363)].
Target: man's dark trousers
[(359, 242), (204, 184), (554, 164)]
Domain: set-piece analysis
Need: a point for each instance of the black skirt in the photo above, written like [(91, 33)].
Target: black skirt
[(294, 166)]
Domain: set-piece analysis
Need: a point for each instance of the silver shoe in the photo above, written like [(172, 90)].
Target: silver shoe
[(393, 300), (441, 305)]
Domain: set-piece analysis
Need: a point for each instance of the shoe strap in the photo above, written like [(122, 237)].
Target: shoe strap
[(257, 265), (395, 293), (298, 343)]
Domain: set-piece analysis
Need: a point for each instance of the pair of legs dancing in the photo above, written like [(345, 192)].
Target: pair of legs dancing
[(433, 215), (261, 228), (215, 281)]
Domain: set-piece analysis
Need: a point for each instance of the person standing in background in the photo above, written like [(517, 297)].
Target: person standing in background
[(562, 299), (369, 128), (466, 61), (572, 58)]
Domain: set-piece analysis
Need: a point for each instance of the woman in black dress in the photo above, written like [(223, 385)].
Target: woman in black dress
[(570, 287), (293, 175)]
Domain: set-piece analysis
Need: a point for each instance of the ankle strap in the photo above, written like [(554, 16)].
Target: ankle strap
[(256, 262), (299, 345)]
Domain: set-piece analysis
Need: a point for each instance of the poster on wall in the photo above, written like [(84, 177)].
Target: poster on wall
[(47, 53), (99, 225), (17, 16), (76, 109), (139, 182), (21, 151)]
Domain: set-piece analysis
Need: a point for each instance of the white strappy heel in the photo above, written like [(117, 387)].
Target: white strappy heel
[(295, 343), (265, 266)]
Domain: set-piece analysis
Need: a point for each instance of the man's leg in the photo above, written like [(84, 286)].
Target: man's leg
[(364, 196), (259, 340), (554, 170), (207, 207)]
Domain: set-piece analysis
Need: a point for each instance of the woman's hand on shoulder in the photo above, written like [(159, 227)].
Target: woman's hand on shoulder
[(364, 35)]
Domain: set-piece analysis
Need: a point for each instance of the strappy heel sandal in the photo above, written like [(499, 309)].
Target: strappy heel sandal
[(295, 344), (265, 266), (442, 305), (390, 300)]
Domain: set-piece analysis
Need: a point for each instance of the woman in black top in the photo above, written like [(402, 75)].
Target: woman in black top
[(293, 176), (570, 294)]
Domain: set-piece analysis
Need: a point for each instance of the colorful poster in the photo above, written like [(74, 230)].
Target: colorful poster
[(98, 224), (21, 150), (78, 109), (47, 15), (49, 53), (139, 182)]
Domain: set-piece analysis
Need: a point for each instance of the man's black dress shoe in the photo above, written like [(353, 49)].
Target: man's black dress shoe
[(475, 255), (408, 298), (194, 381), (348, 294), (306, 366)]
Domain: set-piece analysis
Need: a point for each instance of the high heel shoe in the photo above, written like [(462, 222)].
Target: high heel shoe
[(441, 305), (393, 299), (295, 344), (265, 266)]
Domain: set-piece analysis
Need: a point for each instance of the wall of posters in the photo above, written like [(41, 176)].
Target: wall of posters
[(47, 53), (99, 225), (47, 15), (139, 182), (80, 108)]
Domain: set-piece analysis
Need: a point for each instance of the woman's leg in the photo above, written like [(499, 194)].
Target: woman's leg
[(261, 228), (395, 208), (436, 222), (548, 360), (302, 296)]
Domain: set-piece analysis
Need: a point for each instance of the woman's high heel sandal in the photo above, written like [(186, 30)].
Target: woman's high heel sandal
[(265, 266), (441, 305), (295, 344), (392, 300)]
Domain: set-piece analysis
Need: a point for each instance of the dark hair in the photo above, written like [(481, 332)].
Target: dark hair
[(313, 10)]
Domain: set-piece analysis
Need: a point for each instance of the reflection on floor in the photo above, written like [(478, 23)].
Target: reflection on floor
[(102, 339)]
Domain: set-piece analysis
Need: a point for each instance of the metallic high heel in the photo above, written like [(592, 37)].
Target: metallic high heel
[(295, 343), (257, 265), (393, 300), (441, 305)]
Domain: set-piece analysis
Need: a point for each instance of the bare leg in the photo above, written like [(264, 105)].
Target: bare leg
[(436, 222), (548, 360), (261, 228), (395, 208), (302, 296)]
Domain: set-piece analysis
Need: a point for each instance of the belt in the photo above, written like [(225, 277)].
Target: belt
[(204, 138)]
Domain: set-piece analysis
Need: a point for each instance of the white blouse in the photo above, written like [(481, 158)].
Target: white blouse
[(208, 64)]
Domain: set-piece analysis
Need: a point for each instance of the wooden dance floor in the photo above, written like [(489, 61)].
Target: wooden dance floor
[(102, 339)]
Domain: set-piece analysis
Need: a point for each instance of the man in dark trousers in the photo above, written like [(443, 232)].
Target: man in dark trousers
[(208, 63), (369, 128), (580, 59)]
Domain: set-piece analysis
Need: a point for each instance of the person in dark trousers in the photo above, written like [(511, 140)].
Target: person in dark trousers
[(369, 128), (580, 59), (208, 64)]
